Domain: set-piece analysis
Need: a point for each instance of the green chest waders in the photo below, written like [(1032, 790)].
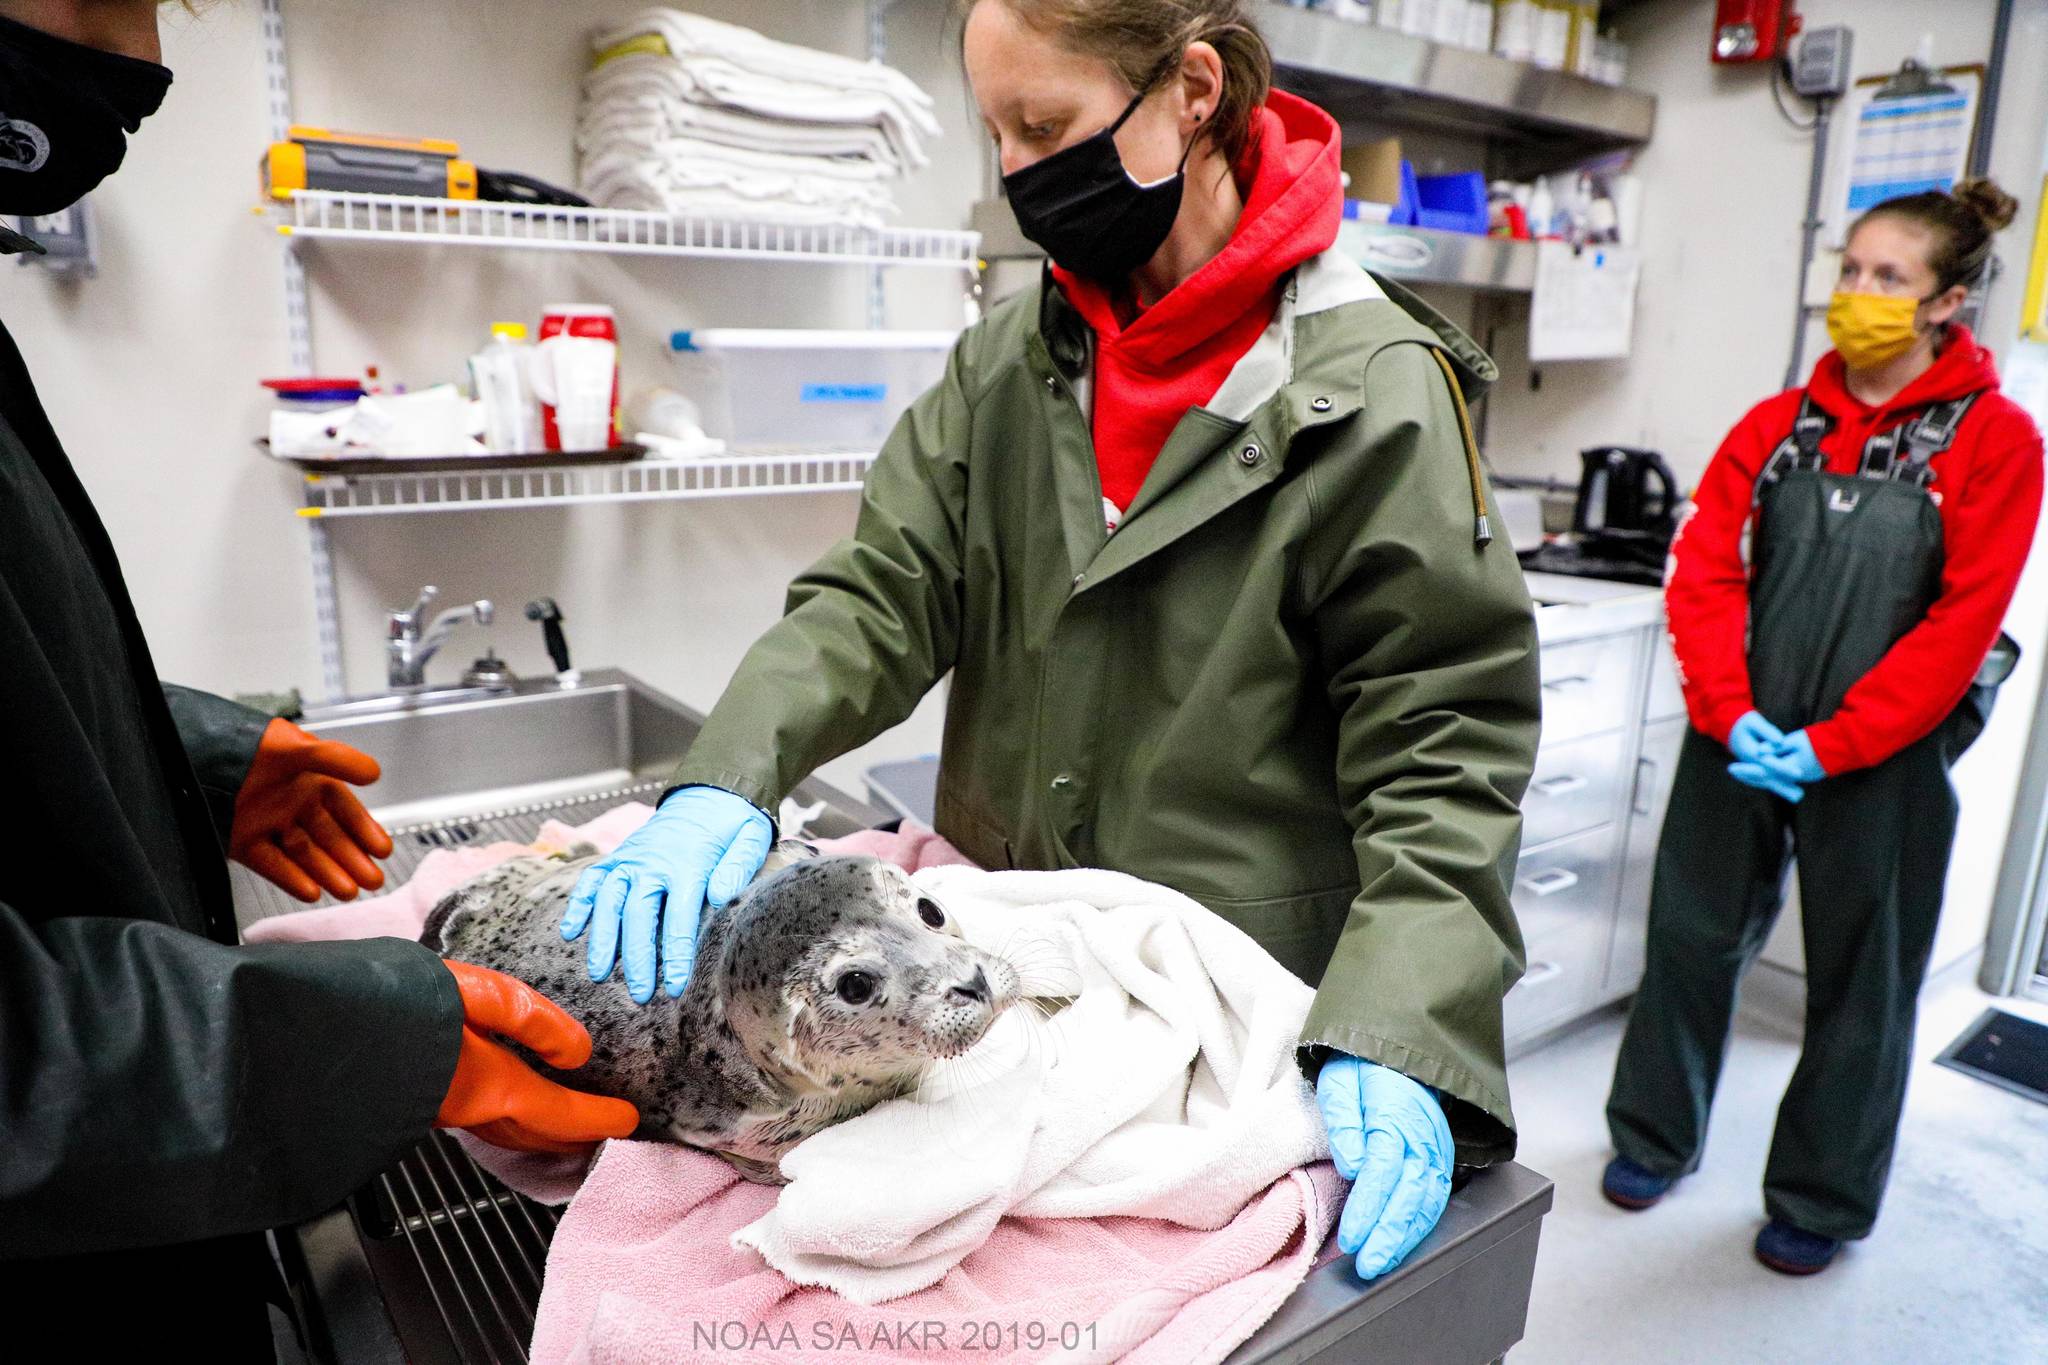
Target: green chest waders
[(1843, 565)]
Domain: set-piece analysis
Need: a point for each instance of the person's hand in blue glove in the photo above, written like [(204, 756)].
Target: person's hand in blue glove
[(1389, 1138), (1786, 770), (1794, 758), (1753, 739), (1767, 778), (703, 845)]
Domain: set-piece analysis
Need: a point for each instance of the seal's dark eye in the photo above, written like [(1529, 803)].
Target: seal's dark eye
[(856, 988), (928, 911)]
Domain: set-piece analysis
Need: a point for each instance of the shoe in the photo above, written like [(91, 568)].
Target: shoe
[(1633, 1187), (1795, 1251)]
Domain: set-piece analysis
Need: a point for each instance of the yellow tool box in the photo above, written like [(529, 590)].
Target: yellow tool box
[(321, 159)]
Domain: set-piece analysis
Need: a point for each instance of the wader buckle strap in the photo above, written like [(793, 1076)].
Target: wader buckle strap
[(1926, 436), (1800, 449)]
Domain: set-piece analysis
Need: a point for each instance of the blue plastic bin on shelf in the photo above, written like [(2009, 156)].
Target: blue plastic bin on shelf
[(1406, 205), (1452, 203)]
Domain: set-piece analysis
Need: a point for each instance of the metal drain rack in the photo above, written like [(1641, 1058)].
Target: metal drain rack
[(458, 1256)]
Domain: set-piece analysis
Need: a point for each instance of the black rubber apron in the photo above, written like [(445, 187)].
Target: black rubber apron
[(1843, 565)]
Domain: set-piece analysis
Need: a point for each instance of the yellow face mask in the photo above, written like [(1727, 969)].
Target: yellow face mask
[(1871, 329)]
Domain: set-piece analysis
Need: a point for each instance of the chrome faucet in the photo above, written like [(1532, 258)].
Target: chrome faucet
[(407, 650)]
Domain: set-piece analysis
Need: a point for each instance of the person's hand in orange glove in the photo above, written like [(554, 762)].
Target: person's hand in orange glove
[(500, 1098), (298, 824)]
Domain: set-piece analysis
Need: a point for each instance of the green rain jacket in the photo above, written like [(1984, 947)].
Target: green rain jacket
[(1296, 684)]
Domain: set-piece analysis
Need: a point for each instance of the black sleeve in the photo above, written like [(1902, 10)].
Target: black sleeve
[(220, 737), (156, 1087)]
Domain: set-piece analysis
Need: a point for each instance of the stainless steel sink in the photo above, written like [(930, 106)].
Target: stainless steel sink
[(473, 766), (536, 743)]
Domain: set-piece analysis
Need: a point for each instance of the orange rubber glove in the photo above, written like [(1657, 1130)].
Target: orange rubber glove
[(298, 824), (500, 1098)]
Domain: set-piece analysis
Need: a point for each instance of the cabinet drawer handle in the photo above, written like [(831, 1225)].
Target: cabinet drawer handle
[(1551, 882), (1538, 973), (1636, 802), (1566, 684), (1563, 785)]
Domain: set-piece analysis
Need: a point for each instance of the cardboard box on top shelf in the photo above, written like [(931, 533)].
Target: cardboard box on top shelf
[(1375, 171)]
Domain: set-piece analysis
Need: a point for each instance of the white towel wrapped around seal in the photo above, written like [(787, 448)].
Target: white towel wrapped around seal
[(1167, 1088)]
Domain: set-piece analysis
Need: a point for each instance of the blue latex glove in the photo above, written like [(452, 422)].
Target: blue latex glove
[(1794, 758), (703, 845), (1754, 739), (1767, 779), (1388, 1137)]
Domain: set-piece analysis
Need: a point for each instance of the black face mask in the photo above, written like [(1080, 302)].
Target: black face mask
[(1086, 211), (65, 112)]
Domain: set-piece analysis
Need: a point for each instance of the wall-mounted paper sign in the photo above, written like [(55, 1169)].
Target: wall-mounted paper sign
[(1584, 307)]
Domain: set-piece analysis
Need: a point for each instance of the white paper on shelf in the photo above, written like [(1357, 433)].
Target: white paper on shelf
[(1584, 306)]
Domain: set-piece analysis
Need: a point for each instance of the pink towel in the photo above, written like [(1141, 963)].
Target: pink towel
[(643, 1266), (643, 1270), (914, 848)]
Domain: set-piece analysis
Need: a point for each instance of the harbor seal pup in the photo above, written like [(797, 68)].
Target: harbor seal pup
[(829, 985)]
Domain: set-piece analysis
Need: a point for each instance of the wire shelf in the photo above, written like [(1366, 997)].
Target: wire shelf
[(351, 216), (754, 474)]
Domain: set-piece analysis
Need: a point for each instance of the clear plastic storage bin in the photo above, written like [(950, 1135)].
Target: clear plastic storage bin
[(774, 386)]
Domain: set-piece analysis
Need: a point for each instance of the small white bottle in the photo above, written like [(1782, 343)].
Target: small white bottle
[(1542, 209), (503, 380)]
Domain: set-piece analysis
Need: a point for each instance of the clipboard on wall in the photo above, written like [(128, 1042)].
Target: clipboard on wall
[(1909, 130)]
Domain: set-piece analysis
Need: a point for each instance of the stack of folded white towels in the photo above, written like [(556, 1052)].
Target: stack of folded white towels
[(687, 115)]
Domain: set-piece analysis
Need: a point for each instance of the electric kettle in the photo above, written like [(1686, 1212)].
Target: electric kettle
[(1625, 489)]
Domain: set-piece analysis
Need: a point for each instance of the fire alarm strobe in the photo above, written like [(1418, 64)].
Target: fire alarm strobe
[(1753, 30)]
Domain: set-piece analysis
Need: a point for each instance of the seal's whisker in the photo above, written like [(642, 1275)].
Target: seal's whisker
[(1010, 950), (965, 1109), (1039, 1032)]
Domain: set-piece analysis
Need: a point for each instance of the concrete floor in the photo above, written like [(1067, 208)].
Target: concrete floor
[(1956, 1270)]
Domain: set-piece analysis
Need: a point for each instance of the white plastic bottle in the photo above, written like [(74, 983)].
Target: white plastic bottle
[(503, 382), (1542, 210)]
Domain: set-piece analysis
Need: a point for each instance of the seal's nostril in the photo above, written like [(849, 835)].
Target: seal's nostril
[(975, 988)]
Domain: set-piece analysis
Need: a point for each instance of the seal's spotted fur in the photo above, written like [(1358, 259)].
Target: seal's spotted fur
[(828, 986)]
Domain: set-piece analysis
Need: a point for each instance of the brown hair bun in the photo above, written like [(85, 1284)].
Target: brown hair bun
[(1983, 197)]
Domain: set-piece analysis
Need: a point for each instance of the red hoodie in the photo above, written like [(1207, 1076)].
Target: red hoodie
[(1151, 366), (1988, 488)]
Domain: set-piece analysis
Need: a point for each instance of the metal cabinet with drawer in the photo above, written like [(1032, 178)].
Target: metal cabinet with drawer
[(1574, 788), (1666, 699), (1573, 825), (1589, 686), (1564, 900), (1656, 761)]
